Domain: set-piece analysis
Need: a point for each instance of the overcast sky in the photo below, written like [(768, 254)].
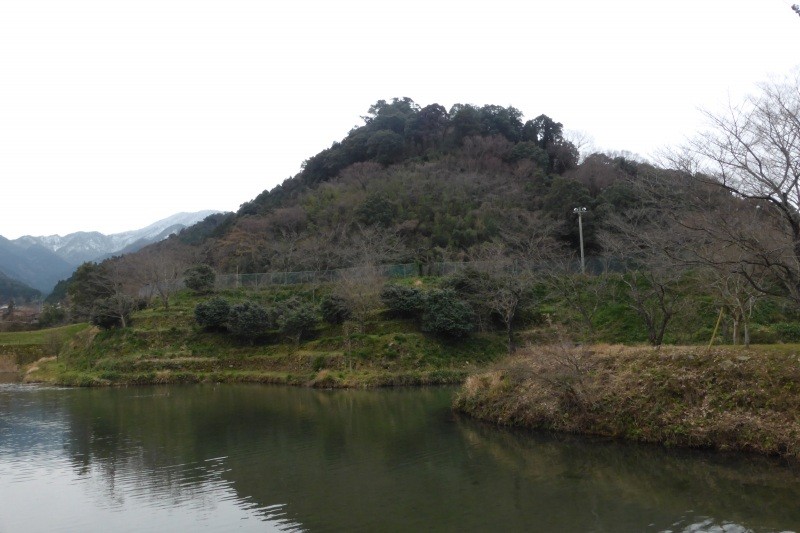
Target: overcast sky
[(116, 113)]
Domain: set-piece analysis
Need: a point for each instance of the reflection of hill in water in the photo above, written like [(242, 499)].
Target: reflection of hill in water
[(399, 460), (624, 479)]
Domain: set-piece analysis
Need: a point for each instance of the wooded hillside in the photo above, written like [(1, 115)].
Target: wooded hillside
[(477, 184), (424, 184)]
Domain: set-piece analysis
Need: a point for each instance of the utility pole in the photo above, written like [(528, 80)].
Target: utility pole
[(580, 211)]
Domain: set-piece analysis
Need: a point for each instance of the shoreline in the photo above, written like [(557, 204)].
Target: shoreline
[(725, 399), (49, 371)]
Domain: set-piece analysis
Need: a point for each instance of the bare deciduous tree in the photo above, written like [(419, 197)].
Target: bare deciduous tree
[(361, 174), (583, 293), (651, 258), (739, 297), (371, 245), (361, 289), (752, 153), (508, 285), (160, 268), (582, 141), (529, 240)]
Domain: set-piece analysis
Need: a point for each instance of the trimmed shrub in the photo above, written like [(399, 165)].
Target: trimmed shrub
[(472, 287), (468, 281), (297, 320), (249, 320), (213, 314), (446, 315), (335, 309), (403, 301), (200, 279)]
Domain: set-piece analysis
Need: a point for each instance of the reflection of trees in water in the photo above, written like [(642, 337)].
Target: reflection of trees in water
[(145, 445), (681, 485), (267, 442), (365, 459)]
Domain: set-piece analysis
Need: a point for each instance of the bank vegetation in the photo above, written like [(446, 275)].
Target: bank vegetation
[(723, 398)]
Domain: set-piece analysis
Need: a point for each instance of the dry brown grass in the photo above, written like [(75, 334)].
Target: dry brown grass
[(726, 398)]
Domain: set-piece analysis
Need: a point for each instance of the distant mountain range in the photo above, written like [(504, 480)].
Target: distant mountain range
[(41, 262)]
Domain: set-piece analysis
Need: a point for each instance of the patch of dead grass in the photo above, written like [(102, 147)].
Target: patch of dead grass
[(725, 398)]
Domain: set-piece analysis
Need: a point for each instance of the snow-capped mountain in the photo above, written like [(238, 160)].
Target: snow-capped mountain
[(76, 248), (41, 261)]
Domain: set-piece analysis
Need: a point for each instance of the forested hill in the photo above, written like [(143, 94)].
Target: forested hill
[(11, 289), (400, 131), (426, 185), (422, 184)]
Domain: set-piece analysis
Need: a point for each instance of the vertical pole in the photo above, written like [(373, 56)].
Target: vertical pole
[(580, 234), (716, 328), (580, 211)]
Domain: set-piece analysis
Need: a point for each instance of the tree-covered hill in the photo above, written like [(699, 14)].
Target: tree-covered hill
[(424, 184), (11, 289), (399, 131), (420, 185)]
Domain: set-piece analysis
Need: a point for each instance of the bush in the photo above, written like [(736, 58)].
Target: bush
[(335, 309), (788, 332), (200, 279), (52, 315), (760, 334), (446, 315), (296, 319), (213, 314), (402, 301), (468, 281), (249, 320)]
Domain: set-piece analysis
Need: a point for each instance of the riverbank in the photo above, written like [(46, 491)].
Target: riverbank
[(154, 372), (390, 353), (723, 399)]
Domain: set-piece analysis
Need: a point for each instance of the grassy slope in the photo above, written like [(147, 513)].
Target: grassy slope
[(727, 399), (165, 346), (39, 337), (24, 347)]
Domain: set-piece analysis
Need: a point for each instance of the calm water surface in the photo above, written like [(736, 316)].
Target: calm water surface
[(256, 458)]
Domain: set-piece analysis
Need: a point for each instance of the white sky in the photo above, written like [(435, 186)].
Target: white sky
[(116, 113)]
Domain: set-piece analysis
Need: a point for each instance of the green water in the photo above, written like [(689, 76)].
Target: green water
[(258, 458)]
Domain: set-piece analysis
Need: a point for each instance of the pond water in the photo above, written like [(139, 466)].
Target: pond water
[(259, 458)]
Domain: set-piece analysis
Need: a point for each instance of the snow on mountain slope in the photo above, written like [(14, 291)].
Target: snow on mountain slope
[(76, 248)]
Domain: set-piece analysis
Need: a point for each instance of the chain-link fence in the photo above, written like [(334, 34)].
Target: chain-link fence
[(232, 281), (264, 279)]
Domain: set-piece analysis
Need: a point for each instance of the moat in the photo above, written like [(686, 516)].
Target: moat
[(255, 458)]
